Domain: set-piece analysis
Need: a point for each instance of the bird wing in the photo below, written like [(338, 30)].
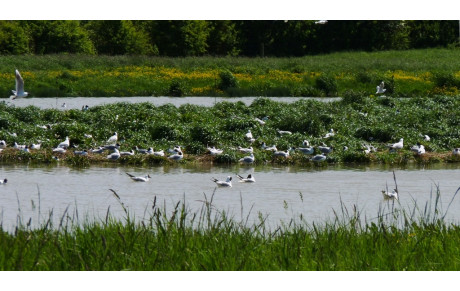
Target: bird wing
[(132, 176), (19, 83)]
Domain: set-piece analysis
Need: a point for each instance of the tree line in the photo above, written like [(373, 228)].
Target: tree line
[(178, 38)]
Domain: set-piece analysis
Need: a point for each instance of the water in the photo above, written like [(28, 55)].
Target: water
[(280, 194), (78, 102)]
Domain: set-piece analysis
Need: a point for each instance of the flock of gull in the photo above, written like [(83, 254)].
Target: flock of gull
[(176, 153)]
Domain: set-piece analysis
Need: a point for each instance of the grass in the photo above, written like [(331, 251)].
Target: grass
[(410, 73), (209, 239)]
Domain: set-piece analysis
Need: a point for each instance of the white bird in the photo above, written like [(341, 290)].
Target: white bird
[(2, 144), (260, 121), (35, 146), (325, 149), (456, 151), (159, 153), (368, 149), (130, 153), (112, 147), (248, 159), (226, 183), (65, 144), (269, 148), (421, 150), (306, 151), (214, 152), (284, 154), (249, 135), (305, 143), (84, 108), (139, 179), (99, 150), (415, 148), (19, 92), (331, 133), (59, 150), (114, 156), (175, 150), (81, 153), (113, 139), (282, 132), (25, 149), (246, 150), (425, 137), (249, 179), (380, 88), (319, 158), (176, 157), (142, 151), (390, 195), (18, 146), (321, 22), (3, 181), (398, 145)]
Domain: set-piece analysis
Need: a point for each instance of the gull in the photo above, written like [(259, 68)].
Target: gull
[(159, 153), (3, 181), (214, 151), (306, 151), (88, 135), (321, 22), (329, 134), (139, 179), (249, 179), (130, 153), (143, 151), (99, 150), (18, 146), (390, 195), (25, 149), (265, 118), (248, 135), (175, 150), (368, 149), (84, 108), (246, 150), (63, 105), (112, 147), (456, 151), (421, 150), (325, 149), (226, 183), (2, 144), (284, 154), (425, 137), (113, 139), (415, 148), (398, 145), (345, 148), (19, 92), (248, 159), (319, 158), (306, 143), (282, 132), (65, 144), (260, 121), (269, 148), (59, 150), (35, 146), (176, 157), (114, 156), (81, 153), (380, 89)]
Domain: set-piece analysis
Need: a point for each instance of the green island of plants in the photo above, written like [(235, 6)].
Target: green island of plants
[(372, 121)]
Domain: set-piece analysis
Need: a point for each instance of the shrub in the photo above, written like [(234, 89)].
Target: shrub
[(351, 96), (176, 89), (327, 84), (444, 79), (227, 80)]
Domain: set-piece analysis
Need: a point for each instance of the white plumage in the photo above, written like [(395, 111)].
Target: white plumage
[(19, 92)]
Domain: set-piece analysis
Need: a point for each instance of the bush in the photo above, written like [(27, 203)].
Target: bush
[(176, 89), (227, 80), (351, 96), (327, 84), (445, 80)]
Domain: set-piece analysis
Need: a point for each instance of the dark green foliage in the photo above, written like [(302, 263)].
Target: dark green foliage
[(327, 84), (227, 80), (445, 79), (176, 89), (351, 96)]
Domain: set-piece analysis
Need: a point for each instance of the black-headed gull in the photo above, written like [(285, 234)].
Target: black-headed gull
[(248, 159), (390, 195), (2, 144), (284, 154), (160, 153), (398, 145), (65, 144), (3, 181), (325, 149), (380, 88), (19, 92), (139, 179), (226, 183), (114, 156), (319, 158), (421, 150), (306, 151), (99, 150), (130, 153), (269, 148), (331, 133), (81, 153), (248, 135), (35, 146), (113, 139), (175, 150), (59, 150), (214, 152), (246, 150), (176, 157), (112, 147), (249, 179), (283, 132), (456, 151), (305, 143)]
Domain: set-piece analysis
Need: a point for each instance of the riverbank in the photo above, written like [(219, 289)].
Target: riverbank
[(358, 132), (413, 73)]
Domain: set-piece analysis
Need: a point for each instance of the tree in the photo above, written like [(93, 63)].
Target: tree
[(13, 38)]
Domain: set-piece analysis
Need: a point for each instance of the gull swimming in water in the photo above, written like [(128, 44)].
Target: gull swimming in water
[(19, 92), (390, 195), (3, 181), (139, 179), (380, 88), (226, 183), (249, 179), (248, 159)]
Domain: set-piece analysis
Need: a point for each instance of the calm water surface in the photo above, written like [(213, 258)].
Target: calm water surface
[(78, 102), (281, 194)]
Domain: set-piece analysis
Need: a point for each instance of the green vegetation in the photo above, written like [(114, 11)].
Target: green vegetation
[(413, 73), (372, 121), (178, 239)]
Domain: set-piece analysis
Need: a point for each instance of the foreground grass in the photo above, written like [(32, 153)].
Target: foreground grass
[(407, 73), (209, 240)]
